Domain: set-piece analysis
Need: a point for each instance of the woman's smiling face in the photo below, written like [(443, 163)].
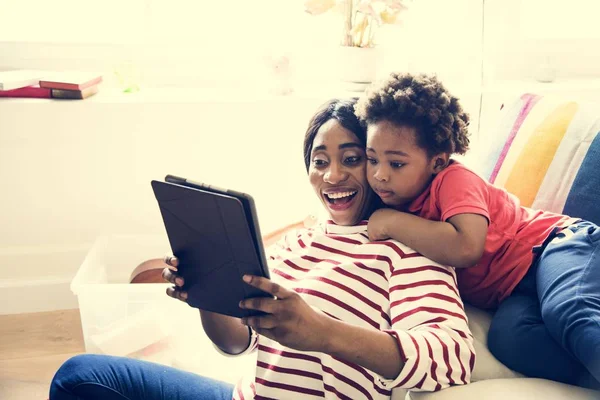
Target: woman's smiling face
[(337, 172)]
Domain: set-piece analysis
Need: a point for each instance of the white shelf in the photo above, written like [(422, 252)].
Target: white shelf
[(309, 93)]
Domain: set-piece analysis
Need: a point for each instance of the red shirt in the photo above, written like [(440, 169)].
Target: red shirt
[(513, 231)]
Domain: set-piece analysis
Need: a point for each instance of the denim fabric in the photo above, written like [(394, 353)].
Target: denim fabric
[(550, 325), (583, 200), (100, 377)]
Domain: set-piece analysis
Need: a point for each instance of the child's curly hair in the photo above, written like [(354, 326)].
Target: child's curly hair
[(422, 102)]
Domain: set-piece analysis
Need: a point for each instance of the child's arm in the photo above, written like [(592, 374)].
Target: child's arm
[(459, 242)]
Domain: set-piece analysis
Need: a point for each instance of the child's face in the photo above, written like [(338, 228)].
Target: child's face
[(398, 169)]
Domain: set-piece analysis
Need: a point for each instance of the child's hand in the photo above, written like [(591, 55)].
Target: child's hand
[(377, 228)]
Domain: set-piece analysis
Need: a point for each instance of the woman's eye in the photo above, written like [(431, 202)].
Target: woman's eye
[(352, 159), (319, 163), (371, 161), (394, 164)]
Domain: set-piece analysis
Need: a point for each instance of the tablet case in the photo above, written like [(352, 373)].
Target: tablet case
[(210, 235)]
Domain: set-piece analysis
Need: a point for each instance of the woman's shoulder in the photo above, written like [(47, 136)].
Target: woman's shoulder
[(402, 251), (326, 235), (408, 262)]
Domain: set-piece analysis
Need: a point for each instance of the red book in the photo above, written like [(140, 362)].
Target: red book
[(35, 92), (70, 81)]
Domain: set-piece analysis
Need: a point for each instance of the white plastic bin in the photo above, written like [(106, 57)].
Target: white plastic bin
[(140, 320)]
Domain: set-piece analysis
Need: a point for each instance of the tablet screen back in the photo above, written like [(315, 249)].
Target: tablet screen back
[(210, 236)]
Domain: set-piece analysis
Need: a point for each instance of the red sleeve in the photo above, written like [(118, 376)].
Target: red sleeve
[(461, 191)]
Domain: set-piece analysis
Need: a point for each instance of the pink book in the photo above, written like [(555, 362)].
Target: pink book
[(70, 81), (28, 91)]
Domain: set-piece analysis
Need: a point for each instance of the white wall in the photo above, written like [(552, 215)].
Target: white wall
[(524, 36), (72, 171)]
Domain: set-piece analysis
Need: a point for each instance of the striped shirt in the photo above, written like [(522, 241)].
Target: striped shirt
[(381, 285)]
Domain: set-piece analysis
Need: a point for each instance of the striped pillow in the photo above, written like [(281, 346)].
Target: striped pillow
[(546, 151)]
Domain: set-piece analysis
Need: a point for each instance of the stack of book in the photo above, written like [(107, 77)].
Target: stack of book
[(36, 84)]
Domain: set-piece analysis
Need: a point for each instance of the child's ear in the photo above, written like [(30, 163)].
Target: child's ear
[(439, 162)]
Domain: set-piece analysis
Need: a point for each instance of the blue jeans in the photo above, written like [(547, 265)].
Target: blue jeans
[(99, 377), (549, 327)]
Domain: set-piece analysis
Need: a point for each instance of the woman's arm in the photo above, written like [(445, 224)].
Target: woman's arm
[(227, 333), (428, 347), (429, 331), (293, 323), (459, 242), (429, 324), (374, 350)]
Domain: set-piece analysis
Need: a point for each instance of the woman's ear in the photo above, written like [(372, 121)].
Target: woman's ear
[(439, 162)]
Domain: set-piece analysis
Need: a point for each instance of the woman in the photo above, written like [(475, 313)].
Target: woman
[(350, 318)]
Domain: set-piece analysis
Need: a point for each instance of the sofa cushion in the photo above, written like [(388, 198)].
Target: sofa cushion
[(509, 389), (545, 150)]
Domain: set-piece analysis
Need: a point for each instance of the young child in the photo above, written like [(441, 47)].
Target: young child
[(540, 269)]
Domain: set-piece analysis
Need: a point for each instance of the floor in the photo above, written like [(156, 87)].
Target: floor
[(32, 347)]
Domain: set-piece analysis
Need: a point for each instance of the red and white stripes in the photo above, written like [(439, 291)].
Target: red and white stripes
[(382, 285)]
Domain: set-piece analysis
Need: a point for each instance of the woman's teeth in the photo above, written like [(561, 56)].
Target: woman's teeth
[(339, 195)]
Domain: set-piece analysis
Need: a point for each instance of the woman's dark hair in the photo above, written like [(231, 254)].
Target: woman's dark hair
[(340, 110)]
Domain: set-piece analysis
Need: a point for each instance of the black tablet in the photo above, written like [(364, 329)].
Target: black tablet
[(215, 235)]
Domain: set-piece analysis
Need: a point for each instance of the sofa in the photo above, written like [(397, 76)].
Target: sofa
[(546, 151)]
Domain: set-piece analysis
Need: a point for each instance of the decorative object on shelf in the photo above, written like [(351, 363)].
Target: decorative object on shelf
[(357, 67), (128, 76), (280, 74), (361, 17), (357, 58), (545, 72)]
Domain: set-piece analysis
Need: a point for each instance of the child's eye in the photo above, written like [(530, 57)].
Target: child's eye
[(352, 159), (396, 165), (371, 161)]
